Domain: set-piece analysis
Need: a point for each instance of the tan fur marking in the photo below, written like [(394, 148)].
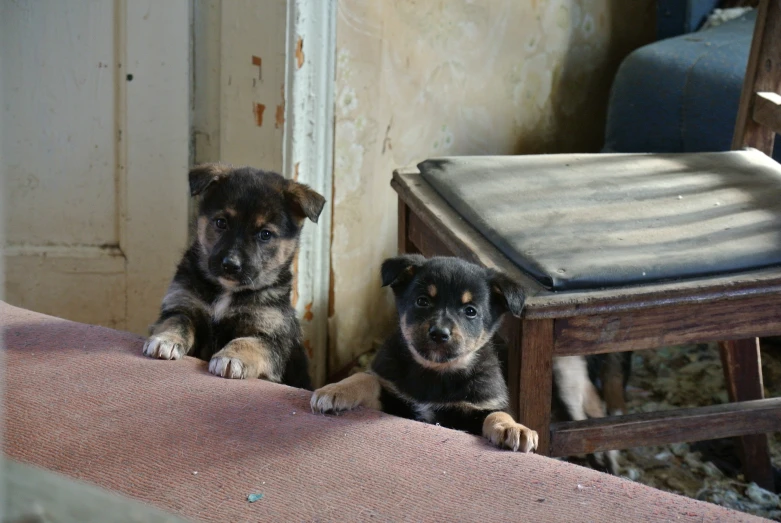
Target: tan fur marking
[(230, 211), (361, 389), (244, 358), (592, 403), (269, 319), (466, 297), (203, 223), (502, 431), (432, 290), (260, 220), (285, 251)]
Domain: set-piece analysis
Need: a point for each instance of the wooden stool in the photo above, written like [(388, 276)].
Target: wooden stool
[(608, 268)]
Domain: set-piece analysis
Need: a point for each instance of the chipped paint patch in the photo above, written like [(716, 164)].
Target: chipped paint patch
[(308, 315), (280, 119), (295, 172), (258, 110), (300, 52), (308, 348)]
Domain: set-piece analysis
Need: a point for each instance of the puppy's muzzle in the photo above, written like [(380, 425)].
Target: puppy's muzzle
[(439, 334), (231, 266)]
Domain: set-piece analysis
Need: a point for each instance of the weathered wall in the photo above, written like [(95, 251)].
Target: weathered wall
[(415, 79)]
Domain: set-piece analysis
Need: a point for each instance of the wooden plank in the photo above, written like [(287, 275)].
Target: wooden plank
[(669, 426), (406, 244), (423, 240), (536, 379), (742, 363), (767, 110), (763, 74), (663, 326), (510, 332), (440, 220)]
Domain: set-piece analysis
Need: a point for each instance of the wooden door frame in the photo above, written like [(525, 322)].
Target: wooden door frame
[(153, 110)]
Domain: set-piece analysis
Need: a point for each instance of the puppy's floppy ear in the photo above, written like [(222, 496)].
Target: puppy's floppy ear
[(507, 291), (400, 269), (204, 175), (305, 202)]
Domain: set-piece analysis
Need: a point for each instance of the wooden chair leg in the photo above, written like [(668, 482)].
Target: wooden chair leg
[(535, 378), (742, 366), (405, 244)]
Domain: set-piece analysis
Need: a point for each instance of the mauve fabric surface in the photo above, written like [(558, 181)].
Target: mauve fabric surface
[(83, 401), (585, 221)]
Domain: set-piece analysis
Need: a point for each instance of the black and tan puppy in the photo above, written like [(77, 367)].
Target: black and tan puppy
[(444, 364), (229, 301)]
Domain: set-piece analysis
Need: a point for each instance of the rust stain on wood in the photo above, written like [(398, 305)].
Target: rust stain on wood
[(280, 120), (308, 348), (256, 60), (258, 109), (300, 52), (308, 315)]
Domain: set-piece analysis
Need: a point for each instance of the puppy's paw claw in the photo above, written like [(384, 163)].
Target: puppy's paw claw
[(232, 368), (164, 347), (512, 436)]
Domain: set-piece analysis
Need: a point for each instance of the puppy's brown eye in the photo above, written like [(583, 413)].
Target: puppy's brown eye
[(422, 302), (221, 223), (265, 235), (470, 311)]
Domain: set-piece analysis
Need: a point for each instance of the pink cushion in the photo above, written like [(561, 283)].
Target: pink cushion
[(83, 401)]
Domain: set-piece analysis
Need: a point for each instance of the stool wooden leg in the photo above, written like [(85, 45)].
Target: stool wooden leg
[(535, 377), (742, 366), (405, 244)]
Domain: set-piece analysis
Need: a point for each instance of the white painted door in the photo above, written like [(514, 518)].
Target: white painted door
[(94, 153)]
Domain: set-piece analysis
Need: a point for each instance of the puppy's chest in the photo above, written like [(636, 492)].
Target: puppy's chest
[(245, 316)]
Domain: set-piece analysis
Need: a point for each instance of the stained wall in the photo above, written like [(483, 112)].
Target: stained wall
[(416, 79)]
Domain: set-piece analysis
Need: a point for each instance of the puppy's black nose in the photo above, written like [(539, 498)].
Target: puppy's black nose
[(439, 334), (231, 265)]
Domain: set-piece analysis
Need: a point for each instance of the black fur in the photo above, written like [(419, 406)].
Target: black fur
[(235, 280), (416, 385)]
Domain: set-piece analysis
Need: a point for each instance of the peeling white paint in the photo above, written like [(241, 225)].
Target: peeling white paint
[(308, 153)]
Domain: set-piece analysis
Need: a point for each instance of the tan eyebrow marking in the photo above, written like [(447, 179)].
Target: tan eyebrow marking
[(432, 290), (230, 211), (466, 297)]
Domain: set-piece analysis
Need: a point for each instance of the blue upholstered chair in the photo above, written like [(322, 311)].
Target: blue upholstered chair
[(681, 94)]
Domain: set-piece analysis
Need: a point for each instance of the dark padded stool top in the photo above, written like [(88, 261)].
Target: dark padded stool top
[(584, 221)]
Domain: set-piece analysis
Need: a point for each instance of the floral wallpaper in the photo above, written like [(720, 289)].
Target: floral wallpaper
[(416, 79)]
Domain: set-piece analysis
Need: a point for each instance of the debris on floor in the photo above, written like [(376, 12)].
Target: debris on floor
[(691, 376), (252, 498)]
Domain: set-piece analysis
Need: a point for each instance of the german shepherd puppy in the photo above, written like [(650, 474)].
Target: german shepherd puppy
[(444, 364), (229, 301)]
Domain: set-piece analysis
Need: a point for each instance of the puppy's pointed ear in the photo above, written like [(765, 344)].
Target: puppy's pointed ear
[(507, 292), (399, 270), (204, 175), (304, 201)]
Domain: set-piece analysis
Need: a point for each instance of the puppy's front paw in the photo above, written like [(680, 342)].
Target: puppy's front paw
[(165, 346), (227, 367), (359, 389), (502, 431)]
